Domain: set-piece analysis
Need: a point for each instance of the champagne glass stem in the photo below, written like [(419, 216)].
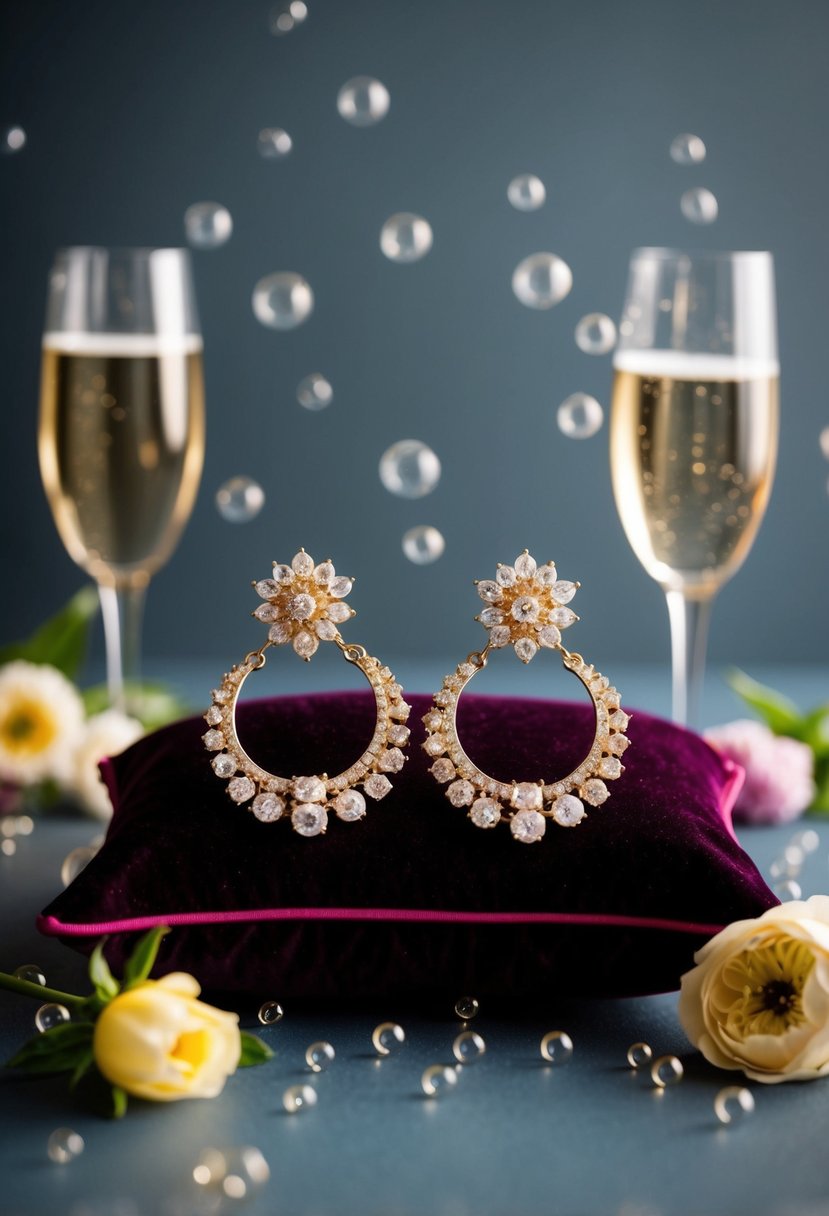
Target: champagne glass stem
[(689, 620), (122, 609)]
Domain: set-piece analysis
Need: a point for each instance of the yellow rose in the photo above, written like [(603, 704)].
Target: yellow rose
[(758, 998), (157, 1041)]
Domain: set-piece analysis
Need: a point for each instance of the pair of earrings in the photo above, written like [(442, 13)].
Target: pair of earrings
[(525, 607)]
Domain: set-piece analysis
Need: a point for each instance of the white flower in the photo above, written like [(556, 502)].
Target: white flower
[(758, 998), (105, 734), (41, 720)]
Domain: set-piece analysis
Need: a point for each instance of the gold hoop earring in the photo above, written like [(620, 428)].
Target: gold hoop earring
[(303, 605), (526, 608)]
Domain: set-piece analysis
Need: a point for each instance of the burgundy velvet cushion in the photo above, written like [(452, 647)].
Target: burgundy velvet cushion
[(414, 902)]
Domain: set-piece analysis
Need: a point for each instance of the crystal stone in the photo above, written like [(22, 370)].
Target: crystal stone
[(350, 805), (301, 607), (619, 720), (339, 588), (326, 631), (399, 735), (563, 591), (309, 789), (568, 810), (610, 767), (309, 819), (305, 644), (499, 636), (526, 796), (213, 740), (524, 609), (563, 617), (213, 716), (377, 786), (338, 613), (282, 575), (433, 720), (485, 813), (391, 761), (266, 613), (526, 649), (220, 695), (266, 588), (549, 636), (224, 765), (490, 617), (594, 791), (525, 565), (546, 575), (400, 711), (267, 807), (241, 789), (303, 564), (324, 573), (528, 826), (280, 633), (489, 591), (443, 770), (618, 745), (460, 793), (505, 576), (435, 745)]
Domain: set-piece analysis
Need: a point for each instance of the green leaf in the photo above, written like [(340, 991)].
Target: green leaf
[(254, 1051), (57, 1050), (104, 982), (821, 802), (62, 640), (82, 1067), (154, 705), (119, 1102), (781, 714), (140, 963), (816, 731)]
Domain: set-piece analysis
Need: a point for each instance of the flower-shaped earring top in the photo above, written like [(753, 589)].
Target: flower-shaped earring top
[(526, 606), (303, 604)]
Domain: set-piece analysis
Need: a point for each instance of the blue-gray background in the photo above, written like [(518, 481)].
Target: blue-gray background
[(135, 110)]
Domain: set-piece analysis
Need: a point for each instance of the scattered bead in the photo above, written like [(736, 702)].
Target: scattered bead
[(733, 1104), (639, 1054), (64, 1145), (466, 1007), (468, 1047), (51, 1015), (557, 1047), (666, 1070), (270, 1013), (319, 1055), (438, 1079), (299, 1097), (388, 1037), (31, 973)]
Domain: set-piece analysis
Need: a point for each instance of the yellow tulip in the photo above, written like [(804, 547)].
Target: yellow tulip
[(158, 1041)]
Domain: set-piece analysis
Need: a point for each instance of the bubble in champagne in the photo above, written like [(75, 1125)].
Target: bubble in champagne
[(526, 192), (542, 280), (423, 544), (314, 392), (406, 237), (285, 17), (409, 469), (699, 206), (207, 225), (595, 334), (687, 150), (274, 143), (240, 500), (580, 416), (282, 300), (363, 101), (13, 140)]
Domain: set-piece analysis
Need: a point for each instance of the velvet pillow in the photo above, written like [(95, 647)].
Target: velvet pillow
[(414, 902)]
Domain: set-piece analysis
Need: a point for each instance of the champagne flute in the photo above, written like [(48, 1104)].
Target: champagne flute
[(121, 434), (693, 435)]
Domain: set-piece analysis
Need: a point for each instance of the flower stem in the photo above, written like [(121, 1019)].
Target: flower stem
[(38, 990)]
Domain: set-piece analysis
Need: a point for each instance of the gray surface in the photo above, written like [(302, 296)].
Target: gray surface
[(136, 110)]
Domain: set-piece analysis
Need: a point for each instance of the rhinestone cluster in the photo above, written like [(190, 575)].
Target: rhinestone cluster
[(526, 606), (303, 604)]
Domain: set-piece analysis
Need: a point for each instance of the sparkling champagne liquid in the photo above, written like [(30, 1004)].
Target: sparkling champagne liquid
[(121, 446), (693, 444)]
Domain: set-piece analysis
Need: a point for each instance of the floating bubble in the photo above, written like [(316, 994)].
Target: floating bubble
[(542, 280), (8, 847), (526, 192), (687, 150), (274, 143), (13, 140), (387, 1038), (466, 1007), (51, 1015), (423, 544), (314, 392), (699, 206), (824, 442), (667, 1070), (299, 1097), (409, 469), (596, 334), (319, 1055), (285, 17), (557, 1047), (64, 1145), (468, 1047), (438, 1079), (363, 101), (406, 237), (270, 1013), (239, 500), (282, 300), (579, 416), (76, 861), (733, 1104), (639, 1054), (808, 840), (237, 1172), (207, 225), (788, 890), (31, 973)]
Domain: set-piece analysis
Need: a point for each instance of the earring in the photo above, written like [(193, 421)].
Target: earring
[(303, 605), (526, 607)]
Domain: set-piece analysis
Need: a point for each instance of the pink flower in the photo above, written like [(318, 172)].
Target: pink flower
[(779, 781)]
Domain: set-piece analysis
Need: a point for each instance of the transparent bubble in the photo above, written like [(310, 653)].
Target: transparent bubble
[(235, 1172), (282, 300), (542, 280), (207, 225), (363, 101), (787, 890), (51, 1015), (596, 334), (557, 1047), (666, 1070), (467, 1007), (423, 544), (409, 469), (733, 1104), (13, 140), (64, 1145), (639, 1054), (468, 1047), (406, 237), (299, 1097), (580, 416), (699, 206), (31, 973), (274, 143), (780, 868), (270, 1013), (438, 1079), (240, 499), (319, 1055), (526, 192), (824, 442), (387, 1038), (8, 847), (793, 856), (76, 861), (808, 841), (287, 16), (687, 150), (314, 392)]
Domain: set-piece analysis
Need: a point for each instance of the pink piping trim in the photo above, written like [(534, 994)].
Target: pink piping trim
[(53, 927), (730, 793)]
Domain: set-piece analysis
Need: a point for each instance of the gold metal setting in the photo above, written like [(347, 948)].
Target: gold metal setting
[(303, 604), (527, 609)]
